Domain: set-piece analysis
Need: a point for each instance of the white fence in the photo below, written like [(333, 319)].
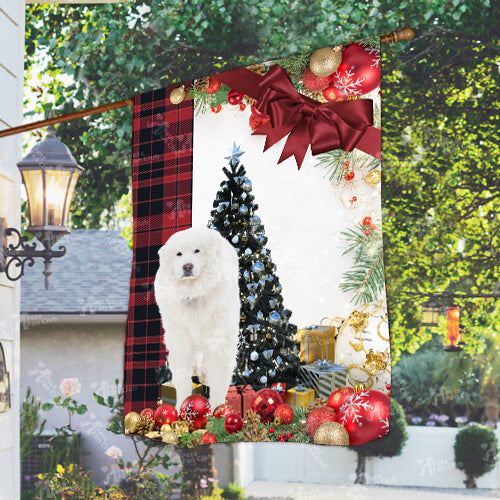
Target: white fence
[(427, 460)]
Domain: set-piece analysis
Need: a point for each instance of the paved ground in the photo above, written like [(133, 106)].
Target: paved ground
[(260, 490)]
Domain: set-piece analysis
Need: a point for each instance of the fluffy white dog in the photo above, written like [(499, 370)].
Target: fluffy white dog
[(196, 289)]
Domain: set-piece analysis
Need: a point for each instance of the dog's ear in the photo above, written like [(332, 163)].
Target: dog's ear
[(162, 252)]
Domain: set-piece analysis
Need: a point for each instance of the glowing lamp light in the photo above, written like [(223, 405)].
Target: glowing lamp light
[(453, 328)]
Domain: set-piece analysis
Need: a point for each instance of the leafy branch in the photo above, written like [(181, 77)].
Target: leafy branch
[(366, 278)]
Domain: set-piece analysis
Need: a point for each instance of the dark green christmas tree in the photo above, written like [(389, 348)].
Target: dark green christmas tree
[(267, 352)]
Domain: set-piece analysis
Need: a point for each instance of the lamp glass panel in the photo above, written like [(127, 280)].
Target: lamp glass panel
[(34, 191), (55, 194), (71, 192)]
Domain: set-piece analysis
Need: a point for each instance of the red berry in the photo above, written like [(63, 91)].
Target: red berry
[(367, 221), (213, 86), (349, 176), (281, 436), (354, 198), (373, 226), (243, 106), (271, 429), (388, 387), (313, 82), (288, 435), (389, 393), (216, 109), (367, 232), (346, 163)]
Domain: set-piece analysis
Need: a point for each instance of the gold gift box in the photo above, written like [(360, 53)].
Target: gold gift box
[(299, 396), (168, 393), (317, 342)]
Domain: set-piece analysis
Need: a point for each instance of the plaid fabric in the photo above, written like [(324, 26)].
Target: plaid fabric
[(162, 171)]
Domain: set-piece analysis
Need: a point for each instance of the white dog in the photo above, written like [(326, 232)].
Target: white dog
[(196, 289)]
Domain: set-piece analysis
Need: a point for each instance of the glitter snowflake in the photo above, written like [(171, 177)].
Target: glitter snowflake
[(346, 82), (351, 409), (190, 414), (384, 429), (375, 53)]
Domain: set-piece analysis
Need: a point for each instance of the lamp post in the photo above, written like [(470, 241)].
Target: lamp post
[(50, 173)]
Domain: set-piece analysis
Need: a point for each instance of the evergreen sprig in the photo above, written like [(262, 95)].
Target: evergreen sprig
[(371, 41), (204, 102), (366, 278), (295, 65)]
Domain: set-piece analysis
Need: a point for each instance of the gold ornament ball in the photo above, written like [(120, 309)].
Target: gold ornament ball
[(170, 437), (325, 61), (373, 178), (199, 432), (131, 419), (332, 434), (177, 95)]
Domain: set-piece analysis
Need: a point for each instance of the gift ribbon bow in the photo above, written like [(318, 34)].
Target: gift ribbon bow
[(278, 387), (300, 388), (323, 126), (323, 365)]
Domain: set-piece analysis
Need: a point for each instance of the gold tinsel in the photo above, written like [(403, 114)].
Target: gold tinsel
[(359, 388), (170, 437), (331, 433), (130, 422), (180, 427), (375, 361), (249, 100), (373, 177), (317, 403), (358, 320), (255, 433), (251, 417), (257, 68), (201, 84), (144, 425)]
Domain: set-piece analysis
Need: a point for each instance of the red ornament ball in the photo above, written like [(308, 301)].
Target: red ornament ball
[(367, 232), (288, 435), (388, 387), (216, 109), (338, 397), (257, 121), (243, 106), (148, 413), (389, 394), (265, 402), (367, 221), (359, 72), (234, 97), (213, 86), (365, 416), (317, 417), (349, 176), (165, 414), (313, 82), (208, 438), (281, 437), (195, 410), (233, 423), (222, 411), (332, 93), (271, 430), (285, 412)]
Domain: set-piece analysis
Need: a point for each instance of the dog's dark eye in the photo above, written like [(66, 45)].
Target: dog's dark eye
[(196, 251), (179, 254)]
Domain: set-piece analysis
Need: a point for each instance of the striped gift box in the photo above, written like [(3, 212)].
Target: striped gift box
[(323, 376)]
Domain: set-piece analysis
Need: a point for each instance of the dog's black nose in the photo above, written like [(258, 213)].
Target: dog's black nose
[(188, 268)]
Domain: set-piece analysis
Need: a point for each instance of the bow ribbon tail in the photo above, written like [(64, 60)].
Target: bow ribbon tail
[(297, 142)]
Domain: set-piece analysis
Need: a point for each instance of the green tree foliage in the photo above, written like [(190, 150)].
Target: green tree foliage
[(476, 452), (438, 106)]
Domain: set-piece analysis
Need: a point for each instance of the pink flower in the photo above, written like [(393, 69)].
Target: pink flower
[(114, 452), (70, 386)]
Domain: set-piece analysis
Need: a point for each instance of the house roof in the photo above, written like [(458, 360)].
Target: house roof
[(92, 278)]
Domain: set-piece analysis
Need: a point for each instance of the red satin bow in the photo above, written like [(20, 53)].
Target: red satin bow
[(324, 126)]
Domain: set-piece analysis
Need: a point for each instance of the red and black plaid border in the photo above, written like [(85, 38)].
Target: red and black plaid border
[(162, 172)]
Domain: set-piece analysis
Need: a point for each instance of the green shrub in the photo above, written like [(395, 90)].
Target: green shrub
[(476, 452), (233, 492)]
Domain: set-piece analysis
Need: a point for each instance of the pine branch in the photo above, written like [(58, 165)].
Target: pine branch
[(204, 102), (295, 65), (371, 41)]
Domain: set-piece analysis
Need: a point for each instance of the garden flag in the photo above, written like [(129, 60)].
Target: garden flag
[(257, 298)]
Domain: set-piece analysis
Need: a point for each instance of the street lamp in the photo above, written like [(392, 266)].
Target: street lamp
[(50, 173), (429, 314)]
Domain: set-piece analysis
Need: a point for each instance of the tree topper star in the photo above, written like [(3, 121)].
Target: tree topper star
[(234, 154)]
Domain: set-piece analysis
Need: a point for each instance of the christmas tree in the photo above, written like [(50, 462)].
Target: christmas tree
[(267, 352)]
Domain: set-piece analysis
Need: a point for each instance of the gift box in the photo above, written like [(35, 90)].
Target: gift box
[(168, 393), (299, 396), (279, 387), (317, 342), (240, 398), (323, 376)]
